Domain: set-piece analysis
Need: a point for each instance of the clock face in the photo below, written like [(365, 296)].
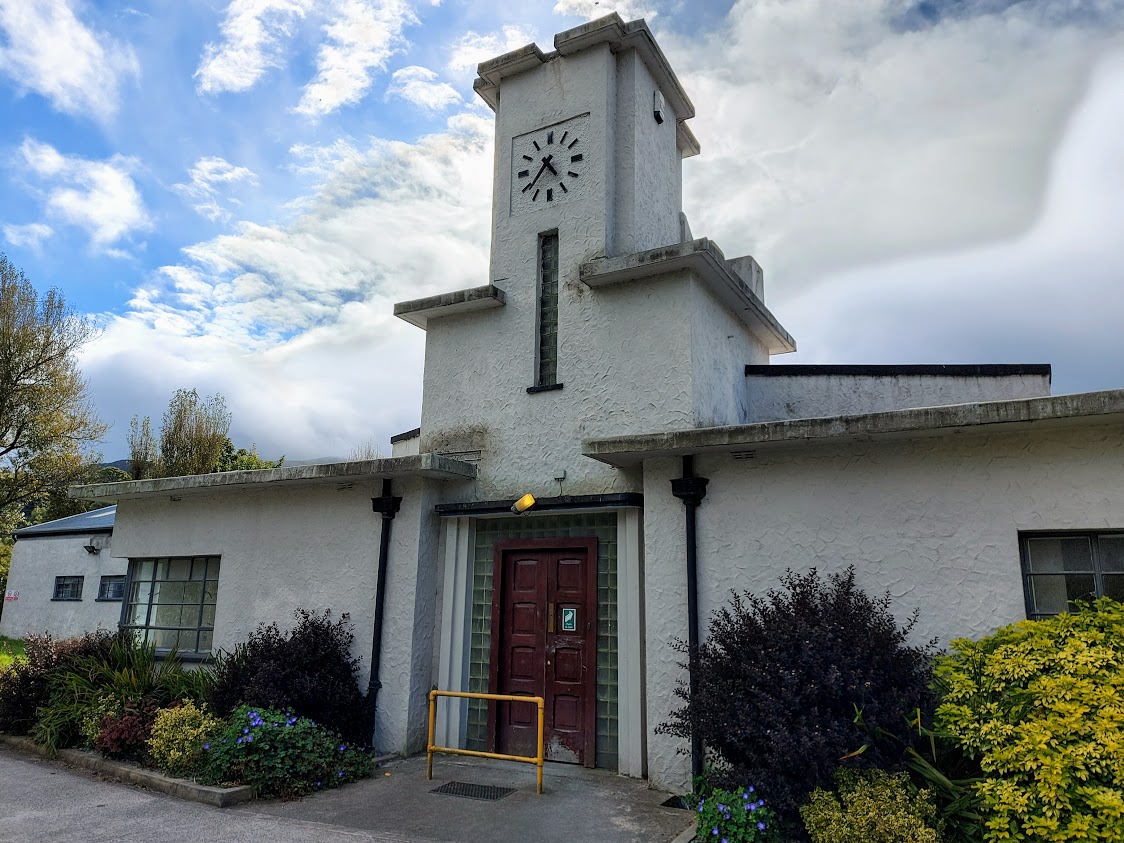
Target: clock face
[(550, 165)]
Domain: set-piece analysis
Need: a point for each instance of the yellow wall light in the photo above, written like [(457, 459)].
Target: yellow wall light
[(523, 504)]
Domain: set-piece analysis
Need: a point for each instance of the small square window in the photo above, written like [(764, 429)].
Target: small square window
[(112, 587), (1062, 571), (68, 588)]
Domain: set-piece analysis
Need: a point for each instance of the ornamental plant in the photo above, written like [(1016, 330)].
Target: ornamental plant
[(738, 816), (309, 671), (784, 679), (871, 807), (1040, 704), (178, 735), (281, 754), (125, 736)]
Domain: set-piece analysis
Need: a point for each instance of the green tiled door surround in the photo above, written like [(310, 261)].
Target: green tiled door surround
[(469, 556)]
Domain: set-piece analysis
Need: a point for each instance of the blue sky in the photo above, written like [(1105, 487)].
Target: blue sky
[(238, 190)]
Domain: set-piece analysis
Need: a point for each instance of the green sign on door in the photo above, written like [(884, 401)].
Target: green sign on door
[(569, 620)]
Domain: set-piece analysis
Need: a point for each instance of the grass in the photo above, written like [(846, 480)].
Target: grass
[(10, 648)]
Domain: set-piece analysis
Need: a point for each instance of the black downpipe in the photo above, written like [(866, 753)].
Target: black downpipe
[(691, 490), (387, 506)]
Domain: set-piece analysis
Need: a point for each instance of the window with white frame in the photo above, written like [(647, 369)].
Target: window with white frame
[(112, 587), (171, 602), (1061, 569), (68, 588)]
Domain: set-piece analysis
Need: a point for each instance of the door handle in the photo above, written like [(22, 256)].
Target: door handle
[(550, 618)]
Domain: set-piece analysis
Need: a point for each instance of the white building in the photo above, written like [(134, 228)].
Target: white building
[(617, 368), (64, 578)]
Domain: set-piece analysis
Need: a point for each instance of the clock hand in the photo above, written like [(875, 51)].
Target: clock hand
[(536, 178), (546, 163)]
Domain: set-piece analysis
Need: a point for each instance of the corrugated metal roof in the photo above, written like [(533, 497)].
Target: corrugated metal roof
[(97, 521)]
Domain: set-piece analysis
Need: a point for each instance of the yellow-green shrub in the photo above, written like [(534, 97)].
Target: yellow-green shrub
[(1041, 705), (871, 807), (178, 738), (89, 723)]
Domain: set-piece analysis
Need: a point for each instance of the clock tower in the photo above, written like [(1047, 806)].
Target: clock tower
[(601, 315)]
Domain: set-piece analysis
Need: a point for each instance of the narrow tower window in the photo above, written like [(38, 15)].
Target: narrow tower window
[(548, 310)]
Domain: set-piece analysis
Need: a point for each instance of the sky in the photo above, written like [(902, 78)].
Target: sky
[(237, 191)]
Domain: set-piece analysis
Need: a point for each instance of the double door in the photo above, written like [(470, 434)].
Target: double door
[(544, 643)]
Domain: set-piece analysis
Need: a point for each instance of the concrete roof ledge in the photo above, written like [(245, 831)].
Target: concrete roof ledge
[(420, 465), (706, 260), (1053, 411), (420, 311)]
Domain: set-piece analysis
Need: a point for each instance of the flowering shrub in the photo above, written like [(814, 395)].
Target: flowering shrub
[(125, 736), (309, 671), (871, 807), (1041, 705), (782, 676), (93, 713), (739, 816), (280, 754), (178, 736)]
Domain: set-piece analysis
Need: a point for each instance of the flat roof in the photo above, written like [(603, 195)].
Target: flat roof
[(956, 370), (94, 521), (923, 422), (419, 465)]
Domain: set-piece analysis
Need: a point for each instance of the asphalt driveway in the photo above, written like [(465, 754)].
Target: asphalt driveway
[(41, 800)]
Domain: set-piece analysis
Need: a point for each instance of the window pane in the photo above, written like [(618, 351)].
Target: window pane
[(1051, 594), (205, 641), (210, 591), (1051, 556), (136, 614), (192, 592), (1111, 552), (111, 588), (208, 616), (179, 569), (1114, 586)]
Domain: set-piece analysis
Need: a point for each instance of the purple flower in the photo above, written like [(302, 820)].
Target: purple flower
[(339, 773), (715, 832), (249, 738), (239, 740), (246, 731), (206, 746), (761, 826), (750, 788), (343, 746)]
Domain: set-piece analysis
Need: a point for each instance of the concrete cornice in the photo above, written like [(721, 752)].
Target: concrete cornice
[(1010, 416), (708, 263), (420, 465), (420, 311), (620, 36)]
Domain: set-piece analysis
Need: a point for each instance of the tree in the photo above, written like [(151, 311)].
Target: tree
[(193, 440), (47, 423)]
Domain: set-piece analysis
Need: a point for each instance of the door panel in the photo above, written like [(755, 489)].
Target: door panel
[(544, 644)]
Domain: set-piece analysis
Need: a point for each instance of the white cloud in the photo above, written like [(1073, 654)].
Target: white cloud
[(627, 9), (361, 37), (838, 134), (31, 235), (97, 196), (472, 48), (51, 52), (252, 35), (293, 323), (419, 85), (208, 176)]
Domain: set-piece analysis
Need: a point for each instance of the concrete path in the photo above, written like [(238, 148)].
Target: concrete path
[(41, 800)]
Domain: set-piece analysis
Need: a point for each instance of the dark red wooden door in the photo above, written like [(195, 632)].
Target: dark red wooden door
[(544, 643)]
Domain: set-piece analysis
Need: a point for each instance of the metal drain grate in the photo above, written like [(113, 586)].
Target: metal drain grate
[(488, 792)]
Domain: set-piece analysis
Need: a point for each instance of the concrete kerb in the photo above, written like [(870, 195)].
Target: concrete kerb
[(218, 797)]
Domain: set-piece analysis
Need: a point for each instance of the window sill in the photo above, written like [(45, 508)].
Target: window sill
[(546, 387), (108, 599), (66, 599), (194, 658)]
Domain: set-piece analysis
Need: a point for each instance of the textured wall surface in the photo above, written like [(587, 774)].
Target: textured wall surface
[(934, 521), (776, 398), (35, 564), (316, 548)]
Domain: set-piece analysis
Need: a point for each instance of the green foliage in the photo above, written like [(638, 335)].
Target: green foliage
[(10, 649), (1040, 704), (178, 736), (93, 715), (871, 807), (56, 504), (737, 816), (243, 460), (125, 736), (280, 754), (144, 457), (5, 565), (46, 420), (129, 675)]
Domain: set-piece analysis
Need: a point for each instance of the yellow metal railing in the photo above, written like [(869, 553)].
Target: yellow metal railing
[(432, 747)]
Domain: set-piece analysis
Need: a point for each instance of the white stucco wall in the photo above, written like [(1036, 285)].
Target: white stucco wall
[(935, 521), (35, 564), (776, 397), (312, 547)]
